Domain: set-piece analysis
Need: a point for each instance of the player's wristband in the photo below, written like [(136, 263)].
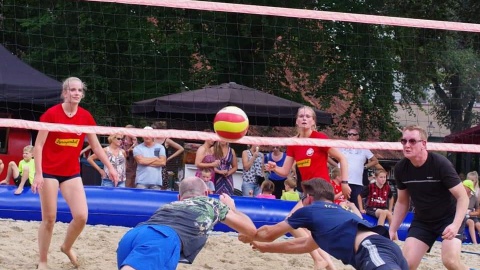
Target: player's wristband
[(345, 182)]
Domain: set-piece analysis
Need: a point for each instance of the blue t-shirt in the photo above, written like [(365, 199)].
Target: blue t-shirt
[(333, 228), (149, 175), (272, 175)]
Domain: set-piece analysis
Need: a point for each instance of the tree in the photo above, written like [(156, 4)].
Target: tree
[(128, 53), (443, 61)]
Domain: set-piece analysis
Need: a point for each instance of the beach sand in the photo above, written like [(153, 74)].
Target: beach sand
[(97, 245)]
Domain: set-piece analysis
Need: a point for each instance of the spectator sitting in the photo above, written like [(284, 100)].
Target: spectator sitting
[(472, 222), (267, 190), (336, 181), (289, 194), (207, 178), (379, 201), (25, 171)]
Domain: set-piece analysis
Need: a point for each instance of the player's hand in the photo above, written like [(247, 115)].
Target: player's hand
[(226, 199), (270, 166), (37, 183), (114, 177), (450, 232), (260, 246), (346, 190), (244, 238)]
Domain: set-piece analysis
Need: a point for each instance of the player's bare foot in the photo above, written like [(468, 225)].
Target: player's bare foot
[(42, 266), (71, 256)]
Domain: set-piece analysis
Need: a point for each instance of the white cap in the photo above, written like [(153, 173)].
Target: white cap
[(148, 127)]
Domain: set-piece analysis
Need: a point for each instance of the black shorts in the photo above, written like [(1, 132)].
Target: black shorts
[(371, 211), (18, 179), (59, 178), (428, 232), (475, 219), (379, 252)]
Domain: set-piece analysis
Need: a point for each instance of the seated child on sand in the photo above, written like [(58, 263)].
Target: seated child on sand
[(23, 172)]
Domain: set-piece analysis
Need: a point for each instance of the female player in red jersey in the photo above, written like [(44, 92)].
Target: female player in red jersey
[(312, 162), (57, 166)]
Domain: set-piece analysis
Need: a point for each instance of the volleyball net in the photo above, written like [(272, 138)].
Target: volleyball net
[(365, 65)]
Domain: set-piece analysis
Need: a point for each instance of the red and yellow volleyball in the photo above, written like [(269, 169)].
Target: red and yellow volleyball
[(231, 123)]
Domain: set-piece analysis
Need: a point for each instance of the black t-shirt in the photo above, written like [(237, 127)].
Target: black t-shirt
[(428, 186)]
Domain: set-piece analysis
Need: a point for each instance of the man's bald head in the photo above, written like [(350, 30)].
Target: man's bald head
[(192, 187)]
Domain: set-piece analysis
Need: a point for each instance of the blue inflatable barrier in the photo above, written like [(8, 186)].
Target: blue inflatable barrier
[(128, 207)]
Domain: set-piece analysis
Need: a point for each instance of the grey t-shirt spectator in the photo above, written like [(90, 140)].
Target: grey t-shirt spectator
[(149, 175)]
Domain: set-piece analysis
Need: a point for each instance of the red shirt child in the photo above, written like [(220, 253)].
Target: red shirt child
[(337, 186)]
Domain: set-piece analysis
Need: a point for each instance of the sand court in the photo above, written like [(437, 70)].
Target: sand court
[(96, 248)]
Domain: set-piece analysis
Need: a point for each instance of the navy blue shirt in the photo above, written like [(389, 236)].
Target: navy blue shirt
[(333, 228)]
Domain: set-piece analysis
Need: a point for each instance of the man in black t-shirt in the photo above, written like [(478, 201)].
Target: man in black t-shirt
[(433, 185)]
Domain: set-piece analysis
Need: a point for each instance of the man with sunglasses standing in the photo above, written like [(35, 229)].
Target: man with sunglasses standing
[(435, 189), (358, 161)]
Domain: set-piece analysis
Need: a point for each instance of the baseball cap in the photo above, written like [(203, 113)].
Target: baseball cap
[(469, 184), (148, 127)]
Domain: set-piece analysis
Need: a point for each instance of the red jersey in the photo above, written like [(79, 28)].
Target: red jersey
[(311, 160), (60, 155), (336, 189), (377, 197)]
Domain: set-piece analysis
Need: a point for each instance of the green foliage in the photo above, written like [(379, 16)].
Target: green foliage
[(446, 62), (130, 53)]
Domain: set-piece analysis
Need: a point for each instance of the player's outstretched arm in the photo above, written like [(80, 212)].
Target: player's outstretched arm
[(236, 219), (270, 233), (294, 246)]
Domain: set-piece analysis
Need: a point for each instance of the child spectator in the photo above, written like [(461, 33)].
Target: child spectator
[(207, 178), (25, 171), (336, 181), (473, 212), (379, 201), (267, 190), (289, 194)]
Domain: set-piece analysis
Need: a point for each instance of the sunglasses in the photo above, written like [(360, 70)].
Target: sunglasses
[(410, 141), (352, 134)]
